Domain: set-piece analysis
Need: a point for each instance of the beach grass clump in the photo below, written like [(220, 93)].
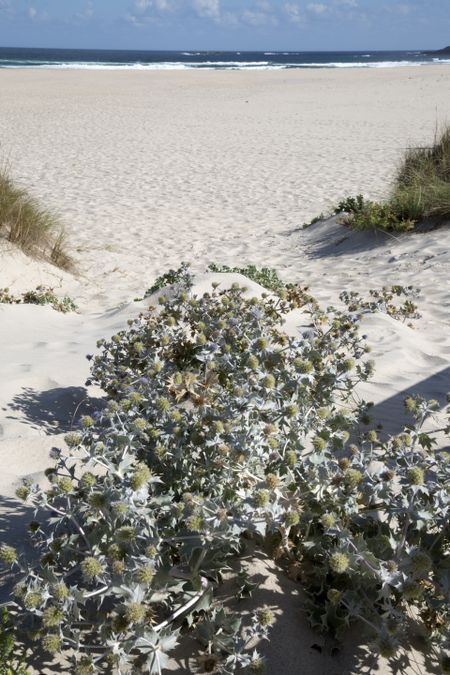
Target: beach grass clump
[(35, 230), (221, 430), (421, 190), (41, 295), (422, 184)]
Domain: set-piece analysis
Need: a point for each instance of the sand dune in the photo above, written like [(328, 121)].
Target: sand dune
[(149, 169)]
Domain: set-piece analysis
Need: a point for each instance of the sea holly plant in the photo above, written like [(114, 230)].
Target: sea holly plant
[(222, 427), (395, 301)]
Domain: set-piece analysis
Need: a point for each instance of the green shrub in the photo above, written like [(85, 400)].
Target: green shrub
[(9, 664), (219, 429), (363, 214), (32, 228), (265, 276), (421, 190), (41, 295)]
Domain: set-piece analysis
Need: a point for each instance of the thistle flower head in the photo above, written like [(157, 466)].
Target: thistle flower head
[(291, 518), (412, 590), (135, 613), (72, 439), (339, 562), (8, 554), (256, 666), (144, 575), (268, 382), (352, 478), (291, 410), (420, 562), (97, 500), (141, 475), (334, 596), (252, 362), (91, 568), (291, 458), (163, 404), (319, 444), (265, 616), (328, 520), (126, 534), (65, 485), (22, 492), (51, 617), (415, 475), (262, 498), (195, 523), (88, 480), (33, 600), (60, 591), (272, 481), (51, 643), (84, 666)]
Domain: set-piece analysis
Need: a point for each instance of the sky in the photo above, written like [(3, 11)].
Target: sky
[(226, 24)]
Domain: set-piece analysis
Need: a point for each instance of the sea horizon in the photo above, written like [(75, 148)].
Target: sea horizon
[(121, 59)]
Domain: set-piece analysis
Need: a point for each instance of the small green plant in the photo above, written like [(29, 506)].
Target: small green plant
[(361, 214), (265, 276), (41, 295), (170, 278), (352, 205), (9, 664), (316, 219), (385, 300), (34, 229)]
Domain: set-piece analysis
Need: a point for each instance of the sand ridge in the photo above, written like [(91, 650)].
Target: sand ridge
[(149, 169)]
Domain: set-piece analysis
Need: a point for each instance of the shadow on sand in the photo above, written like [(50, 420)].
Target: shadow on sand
[(54, 411), (391, 412)]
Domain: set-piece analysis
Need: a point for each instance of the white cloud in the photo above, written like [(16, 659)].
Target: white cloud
[(32, 12), (293, 12), (207, 8), (258, 18), (317, 8), (87, 13), (401, 8), (263, 5), (346, 3), (159, 5)]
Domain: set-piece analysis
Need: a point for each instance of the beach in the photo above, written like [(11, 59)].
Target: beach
[(149, 169)]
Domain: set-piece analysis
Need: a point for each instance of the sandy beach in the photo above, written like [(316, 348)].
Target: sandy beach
[(148, 169)]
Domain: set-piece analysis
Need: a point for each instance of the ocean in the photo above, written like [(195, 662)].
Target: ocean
[(210, 60)]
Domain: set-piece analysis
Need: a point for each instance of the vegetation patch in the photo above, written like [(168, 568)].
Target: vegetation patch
[(221, 429), (10, 662), (41, 295), (35, 230), (421, 190)]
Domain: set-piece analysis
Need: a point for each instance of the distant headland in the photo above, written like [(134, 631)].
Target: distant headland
[(445, 50)]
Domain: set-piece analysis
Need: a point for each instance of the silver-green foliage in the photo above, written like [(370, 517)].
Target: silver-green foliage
[(220, 427)]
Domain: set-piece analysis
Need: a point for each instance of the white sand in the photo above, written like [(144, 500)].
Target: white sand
[(149, 169)]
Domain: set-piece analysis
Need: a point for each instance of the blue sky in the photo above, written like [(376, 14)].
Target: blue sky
[(226, 24)]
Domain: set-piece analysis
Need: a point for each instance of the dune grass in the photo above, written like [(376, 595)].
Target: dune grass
[(421, 191), (422, 185), (24, 222)]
